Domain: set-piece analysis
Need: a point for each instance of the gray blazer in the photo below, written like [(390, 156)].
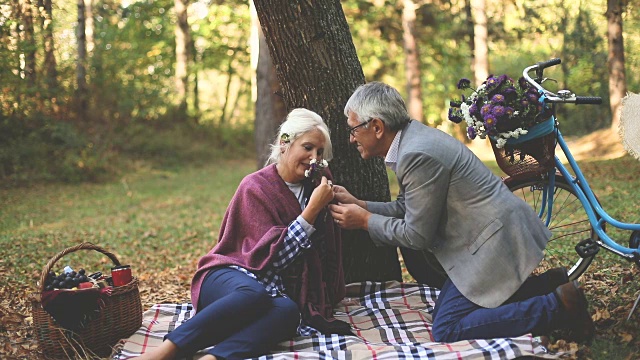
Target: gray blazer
[(451, 204)]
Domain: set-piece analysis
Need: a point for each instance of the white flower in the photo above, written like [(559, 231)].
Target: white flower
[(500, 143), (307, 173)]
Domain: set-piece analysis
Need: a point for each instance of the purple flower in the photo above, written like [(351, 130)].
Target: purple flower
[(455, 115), (523, 83), (492, 81), (455, 104), (486, 109), (509, 111), (497, 99), (473, 109), (510, 94), (498, 111), (471, 132), (464, 83), (532, 97), (490, 122)]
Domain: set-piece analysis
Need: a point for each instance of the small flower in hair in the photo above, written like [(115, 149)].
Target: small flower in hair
[(285, 138)]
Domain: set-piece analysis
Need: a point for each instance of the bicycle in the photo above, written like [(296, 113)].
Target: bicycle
[(564, 201)]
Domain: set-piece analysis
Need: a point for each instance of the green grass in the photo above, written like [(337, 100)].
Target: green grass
[(162, 221)]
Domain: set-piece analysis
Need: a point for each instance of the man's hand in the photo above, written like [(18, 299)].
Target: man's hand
[(343, 196), (350, 216)]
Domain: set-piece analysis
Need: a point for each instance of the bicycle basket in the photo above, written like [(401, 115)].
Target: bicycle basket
[(531, 154)]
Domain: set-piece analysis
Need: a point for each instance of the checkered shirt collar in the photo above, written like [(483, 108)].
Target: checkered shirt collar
[(391, 159)]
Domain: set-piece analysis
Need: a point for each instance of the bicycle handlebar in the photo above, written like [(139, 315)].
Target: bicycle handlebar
[(563, 96)]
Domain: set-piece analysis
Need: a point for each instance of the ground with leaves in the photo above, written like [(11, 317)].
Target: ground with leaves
[(161, 222)]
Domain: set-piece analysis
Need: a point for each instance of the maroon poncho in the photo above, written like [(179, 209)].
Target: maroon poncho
[(252, 233)]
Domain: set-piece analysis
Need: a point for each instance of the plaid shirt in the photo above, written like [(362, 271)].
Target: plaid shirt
[(294, 242)]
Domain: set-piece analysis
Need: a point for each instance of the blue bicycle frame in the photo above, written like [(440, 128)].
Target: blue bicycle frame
[(591, 205)]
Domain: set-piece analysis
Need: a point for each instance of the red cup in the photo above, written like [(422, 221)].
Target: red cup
[(121, 275)]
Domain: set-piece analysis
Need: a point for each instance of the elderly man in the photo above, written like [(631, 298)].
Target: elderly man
[(452, 206)]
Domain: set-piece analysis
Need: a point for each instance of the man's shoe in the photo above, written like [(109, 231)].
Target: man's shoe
[(576, 310), (556, 277)]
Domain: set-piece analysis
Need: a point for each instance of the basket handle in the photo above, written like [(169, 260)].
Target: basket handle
[(83, 246)]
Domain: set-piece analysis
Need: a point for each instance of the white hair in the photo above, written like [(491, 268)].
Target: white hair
[(380, 101), (299, 122)]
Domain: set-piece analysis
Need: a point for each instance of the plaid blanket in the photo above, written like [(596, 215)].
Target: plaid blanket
[(392, 320)]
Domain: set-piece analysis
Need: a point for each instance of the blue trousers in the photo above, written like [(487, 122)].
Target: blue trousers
[(532, 309), (237, 315)]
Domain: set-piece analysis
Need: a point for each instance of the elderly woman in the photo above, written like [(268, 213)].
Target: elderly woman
[(278, 256)]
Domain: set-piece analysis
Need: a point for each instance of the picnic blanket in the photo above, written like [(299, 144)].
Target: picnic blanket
[(392, 320)]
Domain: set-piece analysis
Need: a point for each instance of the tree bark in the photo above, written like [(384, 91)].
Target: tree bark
[(617, 79), (89, 26), (81, 70), (480, 41), (412, 61), (270, 108), (317, 66), (50, 65), (182, 54), (29, 44)]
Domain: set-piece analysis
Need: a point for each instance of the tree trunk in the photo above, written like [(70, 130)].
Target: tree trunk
[(182, 54), (14, 46), (617, 80), (317, 66), (29, 45), (412, 61), (49, 65), (89, 26), (197, 58), (270, 108), (480, 41), (81, 70)]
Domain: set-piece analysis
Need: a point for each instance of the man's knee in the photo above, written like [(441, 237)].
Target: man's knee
[(442, 334)]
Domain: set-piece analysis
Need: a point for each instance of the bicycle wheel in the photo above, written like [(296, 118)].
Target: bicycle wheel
[(569, 223)]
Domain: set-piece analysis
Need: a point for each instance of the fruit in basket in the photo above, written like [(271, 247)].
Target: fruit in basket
[(67, 280)]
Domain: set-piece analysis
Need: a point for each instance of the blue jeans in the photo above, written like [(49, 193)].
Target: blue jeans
[(456, 318), (237, 315)]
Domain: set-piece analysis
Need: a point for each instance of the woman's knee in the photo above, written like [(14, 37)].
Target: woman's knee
[(288, 312)]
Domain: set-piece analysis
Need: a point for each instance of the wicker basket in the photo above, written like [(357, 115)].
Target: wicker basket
[(120, 317), (534, 156)]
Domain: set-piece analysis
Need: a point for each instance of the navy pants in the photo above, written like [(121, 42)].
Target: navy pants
[(237, 315), (531, 309)]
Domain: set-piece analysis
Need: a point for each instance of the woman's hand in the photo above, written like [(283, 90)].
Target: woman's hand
[(320, 197), (322, 194)]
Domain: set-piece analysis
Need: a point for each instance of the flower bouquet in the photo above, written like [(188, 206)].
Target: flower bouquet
[(316, 170), (500, 109), (516, 120)]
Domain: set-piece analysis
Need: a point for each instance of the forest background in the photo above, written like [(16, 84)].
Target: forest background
[(98, 97), (86, 86)]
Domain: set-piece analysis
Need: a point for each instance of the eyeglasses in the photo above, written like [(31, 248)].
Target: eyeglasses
[(352, 130)]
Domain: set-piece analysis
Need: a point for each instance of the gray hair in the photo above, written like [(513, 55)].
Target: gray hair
[(380, 101), (299, 122)]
